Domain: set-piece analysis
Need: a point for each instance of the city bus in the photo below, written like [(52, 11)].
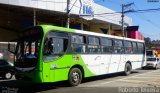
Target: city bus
[(48, 53)]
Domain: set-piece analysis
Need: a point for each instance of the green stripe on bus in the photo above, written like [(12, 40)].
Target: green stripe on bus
[(64, 65), (47, 28)]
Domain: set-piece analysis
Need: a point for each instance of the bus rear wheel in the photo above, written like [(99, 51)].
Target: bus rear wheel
[(75, 77), (127, 69)]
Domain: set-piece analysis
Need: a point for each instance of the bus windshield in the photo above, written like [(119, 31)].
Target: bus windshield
[(27, 49)]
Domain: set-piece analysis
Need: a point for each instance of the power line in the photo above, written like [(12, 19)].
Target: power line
[(148, 35), (133, 11), (148, 20), (143, 11), (99, 1), (73, 5), (114, 2), (108, 13)]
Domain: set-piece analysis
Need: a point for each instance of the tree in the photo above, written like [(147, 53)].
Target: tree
[(148, 42)]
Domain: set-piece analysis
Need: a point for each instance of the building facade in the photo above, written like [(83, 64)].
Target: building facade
[(84, 14)]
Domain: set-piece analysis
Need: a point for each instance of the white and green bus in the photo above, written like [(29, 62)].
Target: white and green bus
[(48, 53)]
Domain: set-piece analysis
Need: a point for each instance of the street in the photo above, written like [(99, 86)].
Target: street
[(140, 81)]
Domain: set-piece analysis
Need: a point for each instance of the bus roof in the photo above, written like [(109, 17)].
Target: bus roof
[(47, 28)]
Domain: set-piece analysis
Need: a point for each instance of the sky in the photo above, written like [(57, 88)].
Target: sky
[(148, 22)]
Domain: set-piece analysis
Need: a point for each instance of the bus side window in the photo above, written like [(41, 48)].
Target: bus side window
[(45, 46), (134, 48), (106, 45), (48, 46), (118, 47), (93, 45), (128, 47), (78, 44), (55, 45), (140, 48)]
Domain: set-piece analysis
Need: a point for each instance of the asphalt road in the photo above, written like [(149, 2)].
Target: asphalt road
[(140, 81)]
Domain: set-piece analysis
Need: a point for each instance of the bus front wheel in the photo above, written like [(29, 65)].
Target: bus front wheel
[(127, 69), (75, 77)]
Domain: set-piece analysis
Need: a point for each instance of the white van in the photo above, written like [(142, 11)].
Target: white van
[(153, 62)]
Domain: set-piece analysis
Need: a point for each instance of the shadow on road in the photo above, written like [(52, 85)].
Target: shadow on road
[(107, 76), (29, 87)]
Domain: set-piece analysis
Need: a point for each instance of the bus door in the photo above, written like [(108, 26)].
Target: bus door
[(104, 66), (113, 66), (93, 63), (116, 56), (94, 57), (107, 49), (126, 56)]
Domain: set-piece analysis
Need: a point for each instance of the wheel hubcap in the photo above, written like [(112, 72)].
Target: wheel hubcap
[(8, 75), (75, 77)]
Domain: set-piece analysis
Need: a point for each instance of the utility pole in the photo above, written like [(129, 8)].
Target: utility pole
[(68, 14), (123, 20), (34, 17), (124, 10)]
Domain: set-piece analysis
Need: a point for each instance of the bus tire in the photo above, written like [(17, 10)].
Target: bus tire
[(75, 77), (127, 69)]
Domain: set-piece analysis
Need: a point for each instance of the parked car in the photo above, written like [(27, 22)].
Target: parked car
[(153, 62), (6, 69)]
